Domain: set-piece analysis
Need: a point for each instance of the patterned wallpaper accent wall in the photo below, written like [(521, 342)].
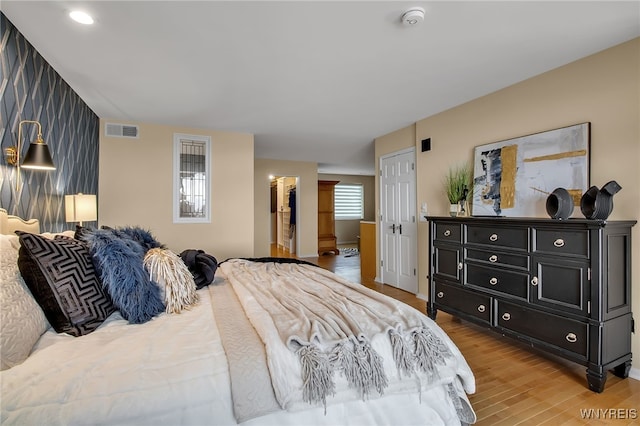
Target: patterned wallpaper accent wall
[(31, 89)]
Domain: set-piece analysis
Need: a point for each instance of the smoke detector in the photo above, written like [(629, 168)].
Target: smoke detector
[(413, 16)]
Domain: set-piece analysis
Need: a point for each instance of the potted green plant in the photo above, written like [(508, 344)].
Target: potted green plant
[(457, 184)]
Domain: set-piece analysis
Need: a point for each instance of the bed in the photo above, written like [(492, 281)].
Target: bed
[(266, 343)]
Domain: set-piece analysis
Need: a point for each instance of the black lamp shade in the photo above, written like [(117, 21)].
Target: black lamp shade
[(38, 157)]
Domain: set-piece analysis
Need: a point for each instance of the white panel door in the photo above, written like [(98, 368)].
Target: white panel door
[(398, 221), (389, 219), (407, 233)]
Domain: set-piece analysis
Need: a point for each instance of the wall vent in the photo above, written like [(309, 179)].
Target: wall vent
[(122, 130)]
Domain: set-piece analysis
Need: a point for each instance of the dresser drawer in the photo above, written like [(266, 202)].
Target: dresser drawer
[(468, 302), (561, 242), (507, 282), (517, 238), (448, 232), (552, 329), (494, 257)]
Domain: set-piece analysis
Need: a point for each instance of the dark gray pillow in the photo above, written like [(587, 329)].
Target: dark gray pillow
[(63, 280)]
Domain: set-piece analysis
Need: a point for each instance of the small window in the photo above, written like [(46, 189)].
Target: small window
[(349, 201), (191, 179)]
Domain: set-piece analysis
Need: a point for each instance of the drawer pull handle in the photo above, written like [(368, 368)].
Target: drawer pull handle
[(493, 237), (440, 294), (493, 258), (460, 266), (481, 308), (506, 316), (493, 281), (572, 338), (447, 233), (534, 281), (559, 242)]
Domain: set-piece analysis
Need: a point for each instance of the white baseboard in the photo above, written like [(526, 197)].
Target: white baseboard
[(302, 256), (422, 297)]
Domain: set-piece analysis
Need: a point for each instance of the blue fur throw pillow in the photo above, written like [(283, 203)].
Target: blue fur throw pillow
[(141, 236), (118, 260)]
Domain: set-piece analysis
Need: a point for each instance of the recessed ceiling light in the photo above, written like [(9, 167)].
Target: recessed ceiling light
[(81, 17)]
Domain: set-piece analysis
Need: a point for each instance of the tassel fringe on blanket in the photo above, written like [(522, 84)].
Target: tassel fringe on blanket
[(362, 366)]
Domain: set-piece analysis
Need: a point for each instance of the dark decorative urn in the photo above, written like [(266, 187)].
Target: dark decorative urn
[(559, 204), (598, 204)]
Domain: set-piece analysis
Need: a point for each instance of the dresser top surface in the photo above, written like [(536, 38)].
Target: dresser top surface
[(493, 220)]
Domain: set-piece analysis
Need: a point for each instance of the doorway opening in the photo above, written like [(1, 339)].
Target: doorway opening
[(284, 216)]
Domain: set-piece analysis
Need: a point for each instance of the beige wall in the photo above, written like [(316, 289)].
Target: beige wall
[(347, 231), (603, 89), (135, 188), (307, 197)]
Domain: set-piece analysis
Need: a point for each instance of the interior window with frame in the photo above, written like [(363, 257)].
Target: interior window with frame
[(349, 201), (191, 178)]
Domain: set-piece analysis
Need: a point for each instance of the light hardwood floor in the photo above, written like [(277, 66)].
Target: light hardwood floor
[(515, 384)]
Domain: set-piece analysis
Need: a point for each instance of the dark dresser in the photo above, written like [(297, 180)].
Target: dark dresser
[(560, 286)]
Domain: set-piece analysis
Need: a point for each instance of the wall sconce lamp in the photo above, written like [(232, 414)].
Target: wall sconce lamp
[(38, 156), (80, 208)]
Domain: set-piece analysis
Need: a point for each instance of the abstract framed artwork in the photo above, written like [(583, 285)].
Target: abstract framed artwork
[(514, 177)]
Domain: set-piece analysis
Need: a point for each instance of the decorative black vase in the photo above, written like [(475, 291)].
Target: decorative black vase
[(559, 204), (598, 204)]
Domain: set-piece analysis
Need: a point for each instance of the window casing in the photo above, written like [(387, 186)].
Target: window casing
[(349, 201), (191, 178)]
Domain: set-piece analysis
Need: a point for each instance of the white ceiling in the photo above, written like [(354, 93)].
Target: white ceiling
[(312, 80)]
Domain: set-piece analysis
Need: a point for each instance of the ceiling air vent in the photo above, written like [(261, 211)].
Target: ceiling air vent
[(122, 130)]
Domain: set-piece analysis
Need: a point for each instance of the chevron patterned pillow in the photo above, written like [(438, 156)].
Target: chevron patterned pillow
[(63, 280)]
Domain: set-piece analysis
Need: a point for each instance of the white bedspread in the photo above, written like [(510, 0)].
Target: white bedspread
[(169, 371)]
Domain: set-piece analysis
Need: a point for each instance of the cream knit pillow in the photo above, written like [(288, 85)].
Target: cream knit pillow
[(22, 321), (169, 272)]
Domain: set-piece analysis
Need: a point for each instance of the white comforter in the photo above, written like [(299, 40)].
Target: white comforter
[(171, 370)]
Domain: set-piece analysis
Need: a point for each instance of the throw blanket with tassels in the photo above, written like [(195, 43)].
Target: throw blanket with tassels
[(339, 335)]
